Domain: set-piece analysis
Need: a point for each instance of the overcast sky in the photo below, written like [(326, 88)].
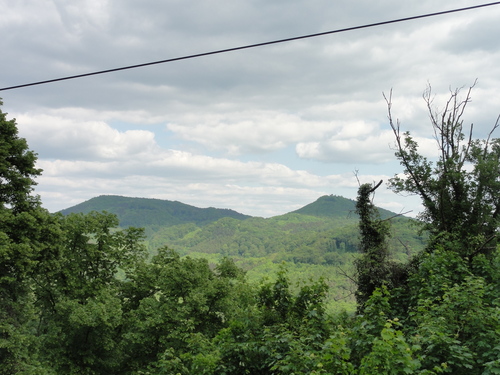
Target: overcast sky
[(262, 131)]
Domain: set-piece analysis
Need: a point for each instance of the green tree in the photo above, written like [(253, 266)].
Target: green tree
[(80, 299), (28, 241), (95, 251), (17, 168), (460, 190), (449, 303), (282, 333), (173, 307)]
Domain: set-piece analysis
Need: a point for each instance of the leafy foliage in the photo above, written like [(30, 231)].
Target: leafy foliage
[(29, 239)]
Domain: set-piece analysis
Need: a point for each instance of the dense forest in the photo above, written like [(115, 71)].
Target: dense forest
[(80, 295)]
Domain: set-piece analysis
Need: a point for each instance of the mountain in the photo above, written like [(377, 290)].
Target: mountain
[(147, 212), (323, 232), (334, 206)]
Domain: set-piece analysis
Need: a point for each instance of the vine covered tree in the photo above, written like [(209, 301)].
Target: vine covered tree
[(372, 267), (459, 190)]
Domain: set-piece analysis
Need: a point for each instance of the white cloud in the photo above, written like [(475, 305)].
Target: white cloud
[(355, 143), (59, 137), (248, 131)]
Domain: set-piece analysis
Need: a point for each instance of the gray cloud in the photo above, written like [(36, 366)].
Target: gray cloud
[(265, 130)]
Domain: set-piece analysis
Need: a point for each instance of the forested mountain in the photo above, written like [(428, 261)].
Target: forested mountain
[(334, 206), (318, 233), (146, 212)]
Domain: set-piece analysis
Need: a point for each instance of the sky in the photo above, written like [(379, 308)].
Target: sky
[(263, 131)]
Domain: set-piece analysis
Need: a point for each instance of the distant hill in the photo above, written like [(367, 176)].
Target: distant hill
[(318, 233), (147, 212), (334, 206)]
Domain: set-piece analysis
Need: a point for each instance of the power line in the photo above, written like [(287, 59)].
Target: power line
[(250, 46)]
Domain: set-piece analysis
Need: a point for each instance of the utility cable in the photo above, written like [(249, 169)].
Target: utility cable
[(251, 46)]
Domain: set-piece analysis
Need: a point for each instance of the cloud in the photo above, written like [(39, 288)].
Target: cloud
[(262, 128), (468, 37), (356, 142), (64, 138), (247, 131)]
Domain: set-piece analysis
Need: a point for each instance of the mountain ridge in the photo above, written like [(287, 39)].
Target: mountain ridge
[(322, 232), (145, 212), (140, 212), (335, 206)]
